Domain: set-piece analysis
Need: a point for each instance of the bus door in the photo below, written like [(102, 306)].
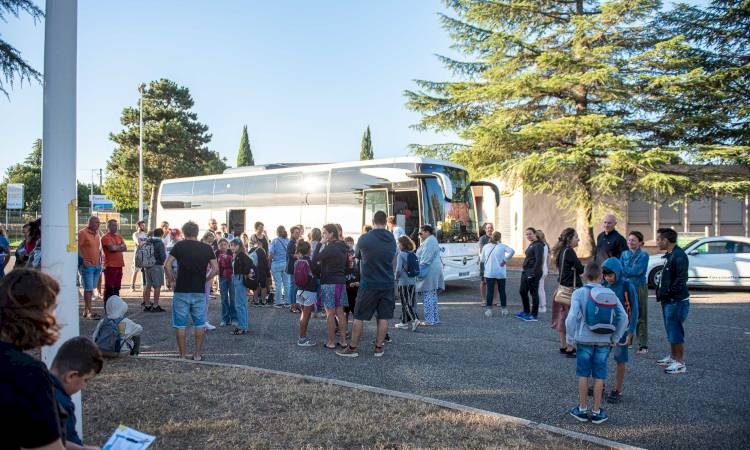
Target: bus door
[(373, 200), (236, 221), (405, 207)]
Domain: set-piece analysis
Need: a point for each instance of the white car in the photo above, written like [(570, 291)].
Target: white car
[(722, 261)]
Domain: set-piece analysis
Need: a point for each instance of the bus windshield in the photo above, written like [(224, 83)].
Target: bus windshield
[(455, 220)]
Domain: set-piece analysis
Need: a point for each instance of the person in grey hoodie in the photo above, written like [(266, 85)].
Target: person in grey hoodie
[(592, 349)]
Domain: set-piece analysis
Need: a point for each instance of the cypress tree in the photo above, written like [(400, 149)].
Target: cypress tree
[(365, 151), (245, 155)]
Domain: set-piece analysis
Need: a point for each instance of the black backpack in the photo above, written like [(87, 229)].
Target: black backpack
[(250, 280)]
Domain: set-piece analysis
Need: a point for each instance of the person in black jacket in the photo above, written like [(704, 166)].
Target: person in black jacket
[(241, 267), (673, 294), (291, 251), (533, 266), (569, 268), (329, 264), (609, 243)]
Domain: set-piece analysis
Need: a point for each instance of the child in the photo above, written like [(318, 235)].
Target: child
[(224, 258), (628, 295), (307, 290), (240, 269), (592, 344), (115, 334), (352, 276), (406, 285), (77, 362)]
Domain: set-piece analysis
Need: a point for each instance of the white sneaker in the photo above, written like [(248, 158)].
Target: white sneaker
[(504, 312), (402, 326), (666, 361), (676, 367), (209, 327), (542, 309), (414, 325), (488, 312)]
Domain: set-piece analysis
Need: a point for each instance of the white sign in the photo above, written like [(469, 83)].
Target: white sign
[(100, 202), (14, 196)]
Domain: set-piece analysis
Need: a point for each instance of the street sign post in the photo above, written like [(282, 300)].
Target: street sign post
[(15, 196)]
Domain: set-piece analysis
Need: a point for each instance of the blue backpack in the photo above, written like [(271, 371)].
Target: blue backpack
[(412, 265), (600, 310), (108, 338)]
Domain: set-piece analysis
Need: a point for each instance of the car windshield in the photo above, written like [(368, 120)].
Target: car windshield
[(455, 220)]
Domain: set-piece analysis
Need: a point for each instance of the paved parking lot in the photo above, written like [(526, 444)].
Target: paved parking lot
[(506, 365)]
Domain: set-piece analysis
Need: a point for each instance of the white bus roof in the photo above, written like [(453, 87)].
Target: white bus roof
[(271, 169)]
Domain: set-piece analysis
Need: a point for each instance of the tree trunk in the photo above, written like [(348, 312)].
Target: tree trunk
[(152, 209)]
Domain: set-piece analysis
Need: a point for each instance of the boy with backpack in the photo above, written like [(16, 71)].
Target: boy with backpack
[(596, 321), (407, 269), (307, 290), (77, 362), (628, 295), (115, 334)]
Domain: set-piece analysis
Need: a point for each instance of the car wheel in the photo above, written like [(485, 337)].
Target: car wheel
[(654, 277)]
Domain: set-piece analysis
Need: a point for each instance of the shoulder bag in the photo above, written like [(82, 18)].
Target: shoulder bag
[(563, 294)]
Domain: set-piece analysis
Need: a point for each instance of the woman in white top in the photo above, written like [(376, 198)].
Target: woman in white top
[(495, 257), (545, 270)]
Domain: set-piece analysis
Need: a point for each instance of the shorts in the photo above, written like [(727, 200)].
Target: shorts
[(620, 353), (674, 315), (186, 305), (154, 276), (307, 298), (90, 275), (371, 301), (591, 361), (333, 295)]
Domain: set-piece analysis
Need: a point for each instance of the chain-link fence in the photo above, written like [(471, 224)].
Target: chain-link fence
[(14, 220)]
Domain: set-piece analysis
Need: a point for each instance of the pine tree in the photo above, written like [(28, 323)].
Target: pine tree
[(545, 99), (245, 155), (12, 65), (365, 149)]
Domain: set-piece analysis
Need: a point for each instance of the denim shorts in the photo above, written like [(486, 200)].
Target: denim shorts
[(90, 275), (620, 353), (330, 299), (186, 305), (591, 361), (307, 298), (674, 315)]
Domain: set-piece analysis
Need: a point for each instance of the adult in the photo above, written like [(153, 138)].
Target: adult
[(4, 251), (609, 243), (377, 252), (533, 267), (188, 300), (113, 245), (213, 226), (315, 237), (430, 279), (90, 250), (494, 258), (569, 268), (259, 238), (673, 294), (291, 251), (226, 233), (484, 239), (168, 236), (154, 275), (634, 267), (329, 265), (139, 237), (259, 256), (240, 270), (395, 229), (545, 270), (277, 255), (27, 398)]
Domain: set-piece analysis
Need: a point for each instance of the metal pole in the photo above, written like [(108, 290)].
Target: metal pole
[(140, 159), (91, 199), (59, 169)]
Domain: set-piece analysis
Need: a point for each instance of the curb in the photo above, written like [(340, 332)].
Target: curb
[(433, 401)]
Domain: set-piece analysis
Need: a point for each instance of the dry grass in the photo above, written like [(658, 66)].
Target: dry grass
[(191, 406)]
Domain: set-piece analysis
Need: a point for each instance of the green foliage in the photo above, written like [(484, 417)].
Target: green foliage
[(365, 149), (245, 154), (83, 192), (174, 144), (28, 173), (12, 65)]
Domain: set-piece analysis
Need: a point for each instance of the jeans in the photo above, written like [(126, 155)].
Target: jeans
[(240, 301), (500, 289), (291, 289), (228, 313), (278, 272), (89, 276), (529, 285), (641, 330), (675, 314)]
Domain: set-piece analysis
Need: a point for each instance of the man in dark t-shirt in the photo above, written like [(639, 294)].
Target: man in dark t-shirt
[(189, 300), (609, 243)]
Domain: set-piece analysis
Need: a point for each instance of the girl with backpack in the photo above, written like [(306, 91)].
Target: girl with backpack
[(260, 259), (330, 265), (495, 257), (407, 269), (241, 267), (570, 269), (307, 292)]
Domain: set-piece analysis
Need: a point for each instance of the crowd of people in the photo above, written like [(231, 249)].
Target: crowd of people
[(598, 309)]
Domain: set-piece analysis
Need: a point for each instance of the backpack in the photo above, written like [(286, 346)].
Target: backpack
[(250, 280), (600, 310), (412, 265), (626, 300), (302, 273), (144, 256), (108, 338)]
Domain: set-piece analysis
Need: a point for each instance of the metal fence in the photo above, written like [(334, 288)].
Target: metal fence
[(14, 220)]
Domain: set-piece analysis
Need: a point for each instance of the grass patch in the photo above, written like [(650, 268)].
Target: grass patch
[(195, 406)]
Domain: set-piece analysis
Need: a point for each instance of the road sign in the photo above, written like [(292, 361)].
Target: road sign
[(14, 197), (100, 202)]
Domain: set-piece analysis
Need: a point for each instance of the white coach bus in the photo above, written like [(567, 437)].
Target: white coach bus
[(415, 190)]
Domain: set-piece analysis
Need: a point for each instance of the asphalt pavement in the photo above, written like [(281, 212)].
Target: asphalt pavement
[(514, 367)]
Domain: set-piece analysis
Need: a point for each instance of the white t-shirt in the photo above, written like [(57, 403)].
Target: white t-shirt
[(493, 257), (398, 232), (545, 269), (139, 237)]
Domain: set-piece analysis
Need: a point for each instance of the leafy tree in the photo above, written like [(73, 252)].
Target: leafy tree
[(11, 63), (545, 97), (365, 151), (28, 173), (245, 155), (83, 192), (174, 145)]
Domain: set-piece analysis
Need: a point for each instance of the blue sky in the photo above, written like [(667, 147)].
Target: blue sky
[(306, 77)]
